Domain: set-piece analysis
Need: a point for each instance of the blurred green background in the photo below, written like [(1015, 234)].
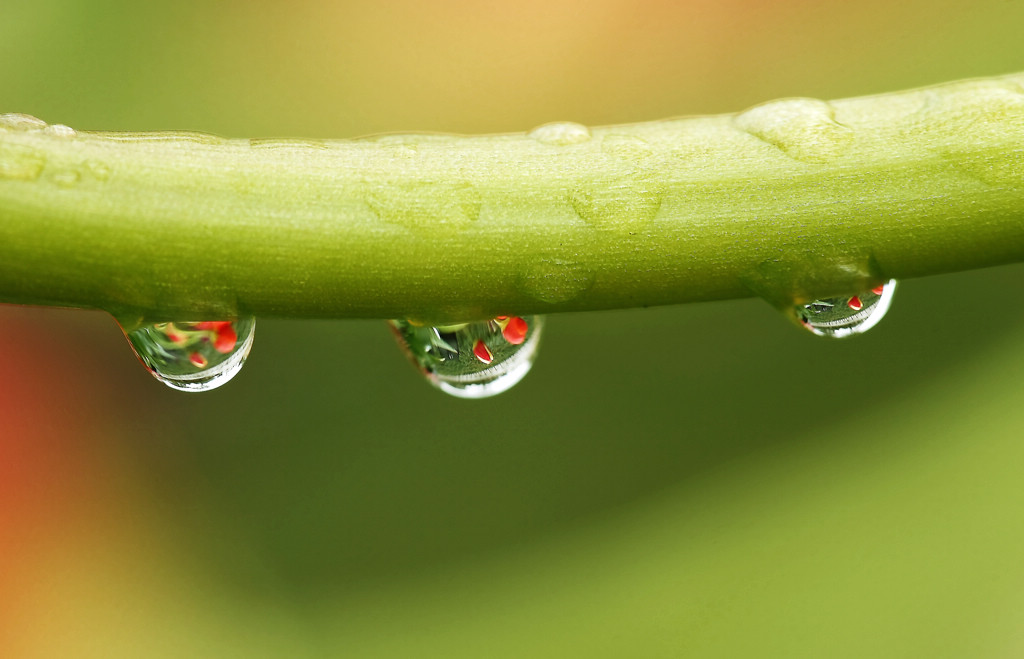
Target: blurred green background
[(692, 481)]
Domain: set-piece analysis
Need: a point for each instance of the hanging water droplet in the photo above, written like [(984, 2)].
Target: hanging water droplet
[(194, 356), (838, 317), (472, 360)]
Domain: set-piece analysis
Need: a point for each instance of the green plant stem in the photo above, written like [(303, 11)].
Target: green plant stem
[(790, 200)]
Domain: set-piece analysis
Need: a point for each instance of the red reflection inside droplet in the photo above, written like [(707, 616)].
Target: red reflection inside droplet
[(515, 331), (482, 353), (174, 336), (226, 339), (855, 303), (212, 325)]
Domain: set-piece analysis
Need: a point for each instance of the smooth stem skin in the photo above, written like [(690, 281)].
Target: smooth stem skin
[(789, 201)]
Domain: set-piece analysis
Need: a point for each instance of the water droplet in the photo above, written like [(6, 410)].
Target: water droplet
[(165, 136), (21, 122), (287, 143), (19, 162), (838, 317), (804, 129), (562, 133), (60, 130), (194, 356), (472, 360), (983, 115), (427, 207), (625, 205), (98, 170), (66, 178)]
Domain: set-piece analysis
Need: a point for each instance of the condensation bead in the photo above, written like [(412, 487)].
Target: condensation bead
[(194, 356), (839, 317), (472, 360), (563, 133)]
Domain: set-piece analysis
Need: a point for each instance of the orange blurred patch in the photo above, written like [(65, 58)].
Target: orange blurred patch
[(53, 475)]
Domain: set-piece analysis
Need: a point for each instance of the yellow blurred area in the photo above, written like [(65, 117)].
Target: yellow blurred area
[(696, 481)]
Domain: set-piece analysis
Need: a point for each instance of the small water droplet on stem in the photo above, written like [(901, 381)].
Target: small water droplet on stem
[(562, 133), (21, 122), (472, 360), (839, 317), (194, 356), (60, 130)]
